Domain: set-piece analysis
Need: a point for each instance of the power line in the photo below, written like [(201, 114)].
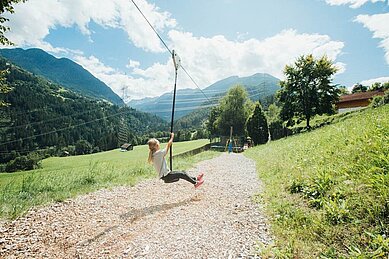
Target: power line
[(62, 129), (213, 98), (49, 120), (196, 107)]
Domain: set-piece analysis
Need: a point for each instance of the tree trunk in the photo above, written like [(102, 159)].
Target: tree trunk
[(308, 119)]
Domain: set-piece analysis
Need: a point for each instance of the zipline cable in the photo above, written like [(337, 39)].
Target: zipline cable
[(176, 65), (163, 42), (160, 38)]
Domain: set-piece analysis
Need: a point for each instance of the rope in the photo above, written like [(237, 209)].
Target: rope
[(173, 106)]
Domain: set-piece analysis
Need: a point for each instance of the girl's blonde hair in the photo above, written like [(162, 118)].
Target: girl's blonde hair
[(153, 144)]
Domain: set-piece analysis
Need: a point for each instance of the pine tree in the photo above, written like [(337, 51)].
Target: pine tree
[(257, 127)]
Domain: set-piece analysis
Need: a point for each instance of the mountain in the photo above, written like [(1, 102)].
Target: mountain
[(42, 115), (62, 71), (259, 87)]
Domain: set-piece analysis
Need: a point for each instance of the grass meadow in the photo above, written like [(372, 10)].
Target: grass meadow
[(327, 190), (65, 177)]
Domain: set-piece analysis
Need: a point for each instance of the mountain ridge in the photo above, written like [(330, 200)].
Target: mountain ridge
[(258, 86), (62, 71)]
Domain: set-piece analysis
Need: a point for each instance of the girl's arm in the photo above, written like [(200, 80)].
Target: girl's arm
[(169, 144)]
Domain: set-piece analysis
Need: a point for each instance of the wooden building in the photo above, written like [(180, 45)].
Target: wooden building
[(126, 147), (356, 101)]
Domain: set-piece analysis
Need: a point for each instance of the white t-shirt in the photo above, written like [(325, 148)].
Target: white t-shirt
[(159, 163)]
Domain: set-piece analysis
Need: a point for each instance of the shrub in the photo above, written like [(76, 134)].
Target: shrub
[(386, 97), (380, 100), (83, 147), (377, 101), (22, 163)]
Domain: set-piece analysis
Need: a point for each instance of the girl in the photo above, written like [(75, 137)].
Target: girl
[(157, 158)]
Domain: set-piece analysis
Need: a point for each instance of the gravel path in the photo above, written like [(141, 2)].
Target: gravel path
[(150, 220)]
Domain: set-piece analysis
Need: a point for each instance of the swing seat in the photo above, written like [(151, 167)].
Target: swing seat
[(170, 181)]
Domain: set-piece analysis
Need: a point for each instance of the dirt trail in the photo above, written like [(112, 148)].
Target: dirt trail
[(150, 220)]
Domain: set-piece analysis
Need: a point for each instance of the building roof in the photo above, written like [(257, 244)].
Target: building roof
[(125, 145), (360, 96)]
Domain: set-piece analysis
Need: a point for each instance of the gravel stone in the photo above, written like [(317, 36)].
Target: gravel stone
[(150, 220)]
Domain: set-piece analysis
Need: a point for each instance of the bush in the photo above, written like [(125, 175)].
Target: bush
[(377, 101), (380, 100), (386, 97), (83, 147), (23, 163)]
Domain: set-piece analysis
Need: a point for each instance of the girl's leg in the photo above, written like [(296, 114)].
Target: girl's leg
[(176, 175)]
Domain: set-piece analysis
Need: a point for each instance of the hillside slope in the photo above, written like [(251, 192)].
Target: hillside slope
[(62, 71), (328, 190)]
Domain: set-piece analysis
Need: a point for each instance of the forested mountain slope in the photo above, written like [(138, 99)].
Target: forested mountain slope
[(62, 71), (44, 115)]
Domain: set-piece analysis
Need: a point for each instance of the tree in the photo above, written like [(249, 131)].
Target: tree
[(257, 127), (234, 108), (378, 86), (358, 88), (273, 112), (83, 147), (307, 90), (4, 87), (211, 123), (6, 6), (343, 90), (375, 86)]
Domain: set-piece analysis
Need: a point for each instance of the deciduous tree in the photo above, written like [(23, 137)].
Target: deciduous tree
[(234, 108), (358, 88), (6, 6), (307, 89)]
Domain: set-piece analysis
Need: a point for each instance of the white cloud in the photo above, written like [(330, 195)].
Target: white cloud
[(33, 20), (369, 82), (211, 59), (133, 64), (341, 67), (150, 82), (352, 3), (378, 24), (206, 59)]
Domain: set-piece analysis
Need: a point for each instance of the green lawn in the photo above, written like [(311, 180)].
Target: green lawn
[(61, 178), (327, 191)]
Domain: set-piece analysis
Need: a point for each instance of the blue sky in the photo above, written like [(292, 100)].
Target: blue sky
[(215, 39)]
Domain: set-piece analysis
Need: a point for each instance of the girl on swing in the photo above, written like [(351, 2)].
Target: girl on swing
[(157, 158)]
